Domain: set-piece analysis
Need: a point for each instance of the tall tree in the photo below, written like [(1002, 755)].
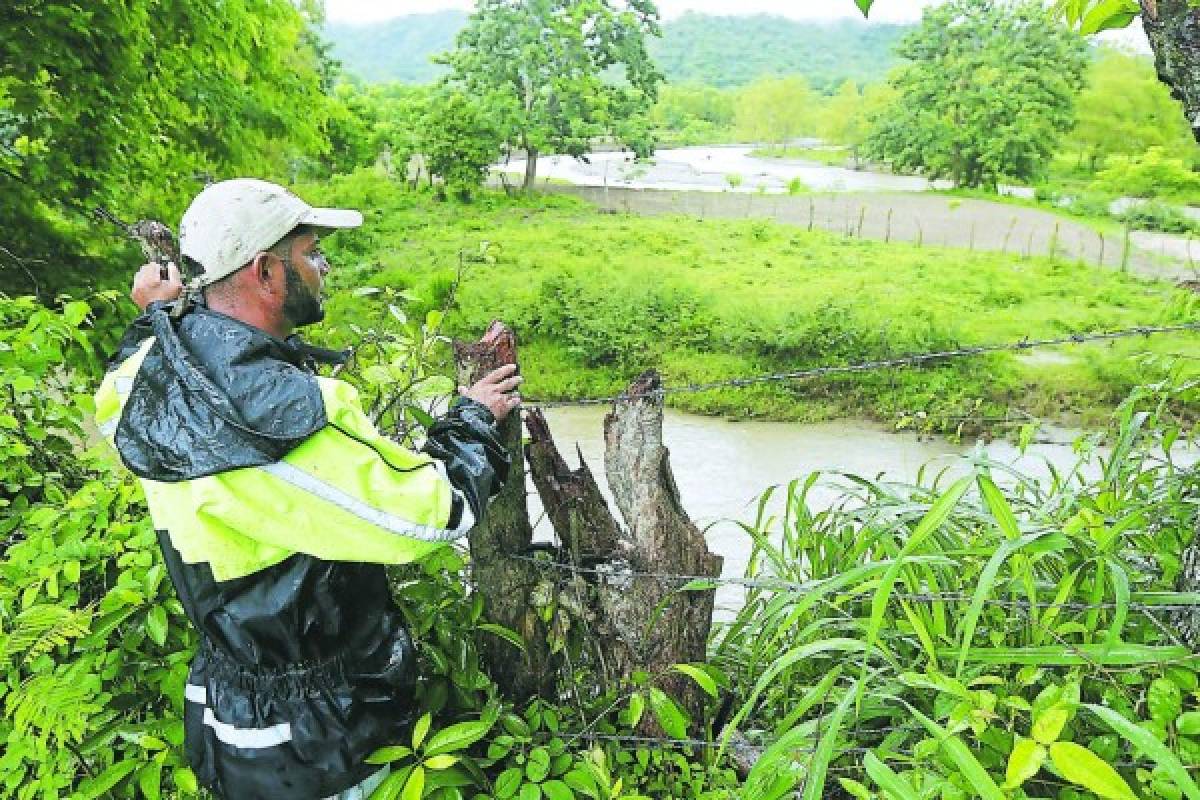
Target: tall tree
[(775, 110), (847, 117), (1125, 110), (555, 75), (121, 104), (989, 89)]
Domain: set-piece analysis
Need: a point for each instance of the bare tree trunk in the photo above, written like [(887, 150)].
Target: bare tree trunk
[(638, 622), (508, 586), (1173, 28), (531, 157)]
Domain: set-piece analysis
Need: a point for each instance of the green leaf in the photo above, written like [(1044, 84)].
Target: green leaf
[(1146, 742), (1188, 723), (557, 790), (530, 791), (443, 761), (458, 736), (415, 786), (508, 783), (1084, 768), (510, 636), (1164, 700), (670, 716), (929, 524), (633, 713), (185, 780), (818, 765), (420, 730), (968, 766), (893, 786), (1109, 14), (1024, 762), (386, 755), (156, 625), (702, 678), (537, 766), (864, 6), (1049, 724), (106, 780)]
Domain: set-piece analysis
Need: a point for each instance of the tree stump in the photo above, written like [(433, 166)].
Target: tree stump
[(637, 621), (509, 587)]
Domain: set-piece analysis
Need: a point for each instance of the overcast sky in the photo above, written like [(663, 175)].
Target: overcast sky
[(884, 10)]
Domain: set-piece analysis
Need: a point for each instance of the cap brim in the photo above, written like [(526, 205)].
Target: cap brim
[(332, 218)]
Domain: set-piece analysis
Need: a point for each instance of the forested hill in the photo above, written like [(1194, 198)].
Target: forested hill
[(719, 51), (398, 49)]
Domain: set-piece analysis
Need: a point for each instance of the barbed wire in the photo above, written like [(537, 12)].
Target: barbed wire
[(1184, 602), (915, 359)]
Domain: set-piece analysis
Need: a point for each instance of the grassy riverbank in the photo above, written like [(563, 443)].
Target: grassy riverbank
[(596, 298)]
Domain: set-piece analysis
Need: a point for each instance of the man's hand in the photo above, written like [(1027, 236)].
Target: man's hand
[(496, 390), (149, 285)]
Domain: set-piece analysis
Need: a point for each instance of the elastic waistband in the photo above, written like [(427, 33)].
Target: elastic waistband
[(295, 678)]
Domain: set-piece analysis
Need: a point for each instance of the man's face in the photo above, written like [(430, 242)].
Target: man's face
[(305, 270)]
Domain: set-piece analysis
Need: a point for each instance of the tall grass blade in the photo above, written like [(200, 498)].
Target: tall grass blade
[(967, 764), (894, 787), (1145, 741)]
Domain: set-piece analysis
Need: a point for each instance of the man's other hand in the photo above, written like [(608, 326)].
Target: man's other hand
[(496, 390), (149, 285)]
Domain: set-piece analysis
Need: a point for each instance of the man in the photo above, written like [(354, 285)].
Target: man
[(277, 502)]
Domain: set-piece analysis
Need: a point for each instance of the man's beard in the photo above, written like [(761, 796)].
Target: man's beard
[(301, 306)]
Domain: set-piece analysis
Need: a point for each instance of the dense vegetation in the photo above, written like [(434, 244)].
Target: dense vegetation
[(684, 295), (695, 48)]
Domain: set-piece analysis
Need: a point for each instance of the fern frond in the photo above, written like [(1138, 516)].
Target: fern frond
[(41, 628)]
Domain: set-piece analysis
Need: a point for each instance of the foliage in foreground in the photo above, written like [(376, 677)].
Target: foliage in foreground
[(851, 678)]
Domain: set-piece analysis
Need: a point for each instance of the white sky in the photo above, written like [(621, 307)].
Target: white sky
[(884, 10)]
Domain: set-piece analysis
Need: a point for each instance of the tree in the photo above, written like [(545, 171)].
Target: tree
[(1125, 110), (989, 89), (460, 142), (557, 74), (121, 104), (847, 117), (775, 110)]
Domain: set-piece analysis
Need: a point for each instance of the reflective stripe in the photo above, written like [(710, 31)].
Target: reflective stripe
[(467, 520), (122, 385), (110, 428), (378, 517), (249, 738)]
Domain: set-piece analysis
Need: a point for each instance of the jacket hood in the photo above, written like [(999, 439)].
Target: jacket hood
[(214, 394)]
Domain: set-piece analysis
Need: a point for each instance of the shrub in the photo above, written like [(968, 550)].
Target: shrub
[(1155, 216), (1149, 174)]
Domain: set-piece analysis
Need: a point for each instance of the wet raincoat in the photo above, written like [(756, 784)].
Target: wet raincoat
[(277, 503)]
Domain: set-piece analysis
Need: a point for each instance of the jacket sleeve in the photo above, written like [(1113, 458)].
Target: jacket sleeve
[(467, 442)]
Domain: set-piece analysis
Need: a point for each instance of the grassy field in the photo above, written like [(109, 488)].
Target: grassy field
[(596, 298)]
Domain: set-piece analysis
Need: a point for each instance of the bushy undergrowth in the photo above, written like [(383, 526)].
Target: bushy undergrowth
[(597, 298), (979, 633)]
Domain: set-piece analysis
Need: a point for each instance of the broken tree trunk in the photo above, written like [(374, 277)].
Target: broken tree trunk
[(509, 587), (636, 622), (1173, 28)]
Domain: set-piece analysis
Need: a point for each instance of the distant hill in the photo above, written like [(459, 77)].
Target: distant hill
[(732, 51), (398, 49), (718, 51)]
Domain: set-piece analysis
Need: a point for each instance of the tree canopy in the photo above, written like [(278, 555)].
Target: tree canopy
[(554, 75), (124, 104), (989, 89)]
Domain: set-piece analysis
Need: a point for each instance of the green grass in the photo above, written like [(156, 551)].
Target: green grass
[(596, 298)]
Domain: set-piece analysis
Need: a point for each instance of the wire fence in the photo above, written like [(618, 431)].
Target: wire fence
[(912, 360)]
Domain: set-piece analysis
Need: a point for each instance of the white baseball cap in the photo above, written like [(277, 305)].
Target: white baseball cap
[(230, 222)]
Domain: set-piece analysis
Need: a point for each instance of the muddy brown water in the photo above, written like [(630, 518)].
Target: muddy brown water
[(722, 467)]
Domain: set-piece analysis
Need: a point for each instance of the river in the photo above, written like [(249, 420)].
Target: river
[(722, 467)]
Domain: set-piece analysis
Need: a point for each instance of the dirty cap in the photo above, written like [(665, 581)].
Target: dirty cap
[(230, 222)]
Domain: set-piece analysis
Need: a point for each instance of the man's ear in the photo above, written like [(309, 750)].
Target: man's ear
[(261, 269)]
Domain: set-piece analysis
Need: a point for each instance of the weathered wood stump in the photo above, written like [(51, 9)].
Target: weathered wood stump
[(509, 587), (637, 622)]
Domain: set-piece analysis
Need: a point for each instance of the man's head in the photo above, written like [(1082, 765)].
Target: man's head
[(257, 246)]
